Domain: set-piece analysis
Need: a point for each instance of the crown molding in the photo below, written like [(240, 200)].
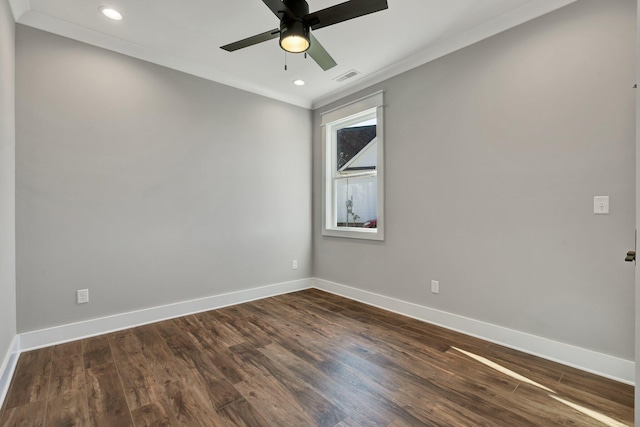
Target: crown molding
[(19, 8), (89, 36), (513, 18), (23, 14)]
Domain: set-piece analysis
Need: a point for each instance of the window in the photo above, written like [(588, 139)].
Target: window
[(353, 170)]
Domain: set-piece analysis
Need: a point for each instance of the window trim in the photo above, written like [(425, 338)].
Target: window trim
[(336, 117)]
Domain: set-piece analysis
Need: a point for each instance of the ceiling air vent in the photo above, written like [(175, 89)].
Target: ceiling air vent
[(346, 76)]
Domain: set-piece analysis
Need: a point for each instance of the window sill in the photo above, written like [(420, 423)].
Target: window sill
[(354, 233)]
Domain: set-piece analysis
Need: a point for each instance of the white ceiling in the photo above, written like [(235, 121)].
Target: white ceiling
[(187, 34)]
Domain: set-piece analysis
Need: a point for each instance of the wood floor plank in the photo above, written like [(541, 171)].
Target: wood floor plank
[(300, 344), (598, 386), (275, 402), (394, 423), (168, 328), (221, 391), (182, 346), (462, 392), (396, 336), (219, 329), (611, 406), (216, 330), (323, 412), (349, 422), (386, 355), (577, 395), (356, 400), (417, 397), (372, 334), (125, 343), (250, 360), (200, 371), (536, 396), (67, 349), (69, 409), (538, 368), (242, 414), (28, 415), (489, 379), (105, 397), (67, 376), (158, 355), (156, 414), (233, 311), (190, 410), (31, 379), (220, 357), (240, 328), (543, 407), (137, 377), (96, 351)]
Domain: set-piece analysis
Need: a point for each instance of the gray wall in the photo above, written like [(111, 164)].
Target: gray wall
[(7, 181), (493, 156), (149, 186)]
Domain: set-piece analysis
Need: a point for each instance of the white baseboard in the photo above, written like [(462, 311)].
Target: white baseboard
[(8, 367), (88, 328), (587, 360)]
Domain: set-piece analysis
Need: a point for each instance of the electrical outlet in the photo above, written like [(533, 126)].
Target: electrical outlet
[(435, 287), (294, 264), (82, 296)]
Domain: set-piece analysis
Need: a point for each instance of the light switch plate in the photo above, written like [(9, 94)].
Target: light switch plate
[(601, 205)]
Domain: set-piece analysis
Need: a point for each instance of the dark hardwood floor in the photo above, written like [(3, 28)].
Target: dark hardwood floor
[(303, 359)]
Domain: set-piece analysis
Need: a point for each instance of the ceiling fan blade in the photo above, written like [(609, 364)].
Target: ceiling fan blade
[(278, 8), (320, 55), (342, 12), (250, 41)]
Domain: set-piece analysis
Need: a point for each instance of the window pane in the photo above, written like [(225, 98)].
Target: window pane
[(352, 145), (356, 202)]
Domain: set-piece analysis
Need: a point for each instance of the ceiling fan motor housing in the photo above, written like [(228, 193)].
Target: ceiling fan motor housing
[(299, 8)]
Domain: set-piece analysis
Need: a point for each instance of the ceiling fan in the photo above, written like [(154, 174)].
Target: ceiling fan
[(296, 24)]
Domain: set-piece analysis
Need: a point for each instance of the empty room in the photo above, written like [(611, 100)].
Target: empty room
[(318, 213)]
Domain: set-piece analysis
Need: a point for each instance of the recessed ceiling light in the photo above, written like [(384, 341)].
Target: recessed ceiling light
[(298, 82), (110, 13)]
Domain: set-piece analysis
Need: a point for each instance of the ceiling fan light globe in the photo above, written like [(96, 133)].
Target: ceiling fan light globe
[(294, 44), (294, 36)]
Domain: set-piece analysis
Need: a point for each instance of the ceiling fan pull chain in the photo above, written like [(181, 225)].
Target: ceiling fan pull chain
[(285, 60)]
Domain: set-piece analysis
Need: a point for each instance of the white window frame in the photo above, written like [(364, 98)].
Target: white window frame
[(331, 121)]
